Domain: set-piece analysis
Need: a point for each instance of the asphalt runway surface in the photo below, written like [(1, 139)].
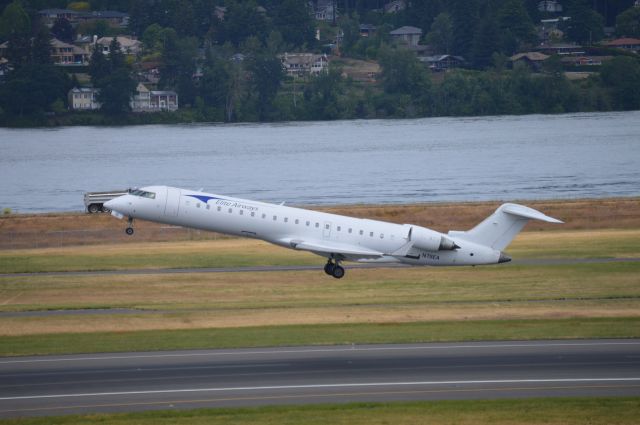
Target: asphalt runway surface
[(56, 385)]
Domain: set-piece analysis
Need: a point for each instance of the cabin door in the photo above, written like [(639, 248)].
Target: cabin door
[(326, 230), (173, 202)]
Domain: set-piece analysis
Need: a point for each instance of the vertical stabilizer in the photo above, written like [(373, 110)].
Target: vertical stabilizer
[(498, 230)]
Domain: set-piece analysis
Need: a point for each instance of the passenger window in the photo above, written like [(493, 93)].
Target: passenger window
[(308, 223), (230, 210), (370, 234), (241, 212), (350, 229), (197, 204), (297, 221), (361, 232), (317, 225), (208, 206), (338, 228), (326, 226), (286, 219), (275, 217), (264, 216), (253, 214), (381, 235)]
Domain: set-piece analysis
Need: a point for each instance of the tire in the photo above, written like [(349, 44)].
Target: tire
[(94, 208), (105, 210), (129, 231), (328, 268), (338, 272)]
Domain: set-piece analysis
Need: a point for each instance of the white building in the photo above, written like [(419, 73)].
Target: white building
[(300, 64), (83, 99), (145, 100)]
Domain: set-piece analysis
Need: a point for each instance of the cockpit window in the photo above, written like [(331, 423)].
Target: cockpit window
[(143, 194)]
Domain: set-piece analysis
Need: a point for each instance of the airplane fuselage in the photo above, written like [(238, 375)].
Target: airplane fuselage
[(330, 235)]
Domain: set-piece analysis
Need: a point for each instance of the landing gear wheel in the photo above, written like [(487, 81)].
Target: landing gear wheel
[(129, 231), (328, 268), (94, 208), (338, 272)]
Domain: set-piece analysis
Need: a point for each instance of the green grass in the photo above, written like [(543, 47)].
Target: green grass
[(241, 253), (294, 335), (566, 411)]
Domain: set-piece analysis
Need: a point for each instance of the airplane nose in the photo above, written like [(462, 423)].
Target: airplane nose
[(116, 204)]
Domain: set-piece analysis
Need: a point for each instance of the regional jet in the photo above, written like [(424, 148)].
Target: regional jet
[(338, 238)]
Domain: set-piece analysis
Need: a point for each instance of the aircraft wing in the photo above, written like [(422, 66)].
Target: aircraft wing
[(346, 251)]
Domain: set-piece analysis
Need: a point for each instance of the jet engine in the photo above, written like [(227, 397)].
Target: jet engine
[(430, 240)]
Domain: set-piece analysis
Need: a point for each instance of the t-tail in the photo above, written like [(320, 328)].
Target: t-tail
[(500, 228)]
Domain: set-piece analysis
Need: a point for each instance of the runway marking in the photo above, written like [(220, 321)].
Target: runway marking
[(320, 350), (170, 403), (318, 386)]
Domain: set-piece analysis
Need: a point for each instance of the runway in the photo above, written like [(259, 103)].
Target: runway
[(56, 385)]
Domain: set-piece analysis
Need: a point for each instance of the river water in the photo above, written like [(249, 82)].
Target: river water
[(338, 162)]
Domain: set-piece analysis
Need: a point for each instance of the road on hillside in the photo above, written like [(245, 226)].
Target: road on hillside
[(56, 385)]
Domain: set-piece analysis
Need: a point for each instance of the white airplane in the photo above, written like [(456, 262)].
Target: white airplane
[(336, 237)]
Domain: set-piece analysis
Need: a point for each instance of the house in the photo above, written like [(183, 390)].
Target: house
[(395, 6), (300, 64), (49, 16), (4, 68), (220, 11), (531, 60), (549, 29), (585, 60), (145, 100), (631, 44), (128, 45), (65, 54), (407, 35), (326, 10), (163, 101), (367, 30), (561, 49), (83, 99), (550, 6), (112, 17), (440, 63)]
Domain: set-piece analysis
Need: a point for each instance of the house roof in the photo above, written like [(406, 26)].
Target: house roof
[(104, 14), (57, 12), (141, 88), (367, 27), (301, 58), (406, 30), (124, 41), (163, 93), (623, 42), (84, 90), (532, 56), (439, 58)]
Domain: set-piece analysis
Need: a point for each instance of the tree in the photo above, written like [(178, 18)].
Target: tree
[(585, 25), (465, 17), (41, 46), (441, 34), (293, 20), (99, 66), (266, 77), (14, 21), (513, 17), (32, 89), (116, 57), (116, 91), (628, 23), (621, 75), (62, 30), (402, 73), (484, 44), (243, 20)]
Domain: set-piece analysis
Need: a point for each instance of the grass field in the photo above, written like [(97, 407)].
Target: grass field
[(556, 411), (246, 252)]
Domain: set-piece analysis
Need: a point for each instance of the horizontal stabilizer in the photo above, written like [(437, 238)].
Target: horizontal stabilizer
[(526, 212)]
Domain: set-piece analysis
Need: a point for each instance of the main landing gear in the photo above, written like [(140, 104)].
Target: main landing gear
[(129, 229), (334, 269)]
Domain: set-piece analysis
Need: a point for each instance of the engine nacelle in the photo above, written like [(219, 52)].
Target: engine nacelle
[(430, 240)]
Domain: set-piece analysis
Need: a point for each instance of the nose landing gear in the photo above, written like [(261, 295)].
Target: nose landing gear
[(129, 229), (334, 269)]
